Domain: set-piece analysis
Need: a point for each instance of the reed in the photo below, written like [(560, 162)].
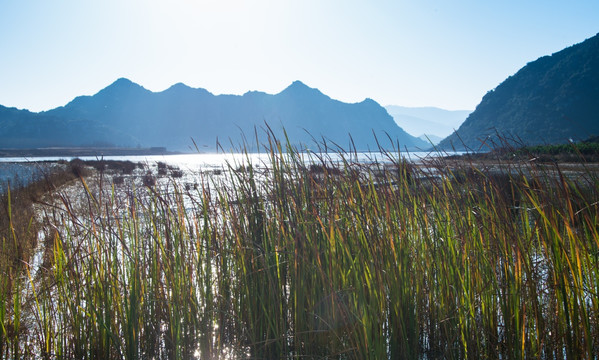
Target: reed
[(317, 256)]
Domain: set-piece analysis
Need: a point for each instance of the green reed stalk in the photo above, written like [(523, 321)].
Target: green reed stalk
[(319, 257)]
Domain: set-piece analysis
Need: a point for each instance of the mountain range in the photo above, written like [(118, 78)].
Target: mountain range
[(428, 123), (554, 99), (126, 114)]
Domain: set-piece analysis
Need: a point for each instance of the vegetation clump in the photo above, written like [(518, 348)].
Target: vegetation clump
[(586, 151), (388, 260), (512, 150)]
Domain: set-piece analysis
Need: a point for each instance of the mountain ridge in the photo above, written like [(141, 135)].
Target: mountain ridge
[(129, 115), (550, 100)]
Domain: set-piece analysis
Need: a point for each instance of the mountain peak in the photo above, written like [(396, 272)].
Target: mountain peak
[(298, 84), (369, 101), (181, 89), (122, 84), (179, 85), (299, 88)]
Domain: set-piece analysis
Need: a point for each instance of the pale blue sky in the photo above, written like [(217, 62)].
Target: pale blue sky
[(412, 53)]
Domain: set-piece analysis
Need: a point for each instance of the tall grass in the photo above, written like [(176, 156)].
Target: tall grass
[(317, 257)]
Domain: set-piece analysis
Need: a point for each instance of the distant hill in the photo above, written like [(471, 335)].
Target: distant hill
[(430, 122), (22, 129), (552, 100), (126, 114), (431, 139)]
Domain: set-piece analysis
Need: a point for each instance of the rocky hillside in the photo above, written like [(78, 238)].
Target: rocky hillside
[(554, 99)]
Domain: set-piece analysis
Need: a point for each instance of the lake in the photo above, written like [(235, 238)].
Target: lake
[(23, 170)]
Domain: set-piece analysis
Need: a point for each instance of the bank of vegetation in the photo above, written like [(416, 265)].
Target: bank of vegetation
[(19, 226), (574, 152), (314, 259)]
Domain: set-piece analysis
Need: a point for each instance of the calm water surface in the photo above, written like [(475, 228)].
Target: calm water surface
[(211, 160), (23, 170)]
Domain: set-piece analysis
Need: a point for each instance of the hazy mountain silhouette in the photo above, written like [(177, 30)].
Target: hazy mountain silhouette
[(550, 100), (126, 114), (431, 139), (433, 122), (24, 129)]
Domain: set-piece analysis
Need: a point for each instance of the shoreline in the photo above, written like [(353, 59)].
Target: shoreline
[(84, 151)]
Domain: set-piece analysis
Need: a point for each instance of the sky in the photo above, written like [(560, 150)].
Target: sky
[(439, 53)]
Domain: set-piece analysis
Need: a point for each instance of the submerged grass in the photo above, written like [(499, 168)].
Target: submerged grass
[(316, 258)]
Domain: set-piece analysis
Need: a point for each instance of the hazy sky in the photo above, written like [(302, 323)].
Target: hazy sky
[(412, 53)]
